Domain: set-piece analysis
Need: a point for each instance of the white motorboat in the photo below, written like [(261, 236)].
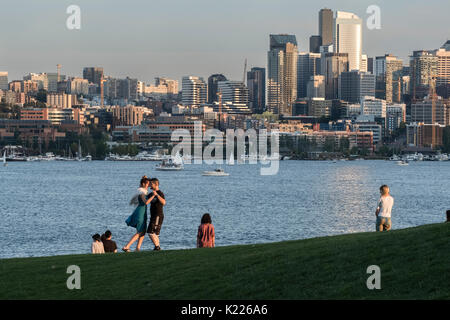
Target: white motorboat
[(171, 164), (403, 163), (215, 173)]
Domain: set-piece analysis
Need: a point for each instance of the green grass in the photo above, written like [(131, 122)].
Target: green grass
[(415, 264)]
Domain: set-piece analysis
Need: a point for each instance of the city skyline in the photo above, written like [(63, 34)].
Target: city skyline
[(42, 41)]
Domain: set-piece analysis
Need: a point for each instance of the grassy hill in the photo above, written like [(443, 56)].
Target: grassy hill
[(414, 265)]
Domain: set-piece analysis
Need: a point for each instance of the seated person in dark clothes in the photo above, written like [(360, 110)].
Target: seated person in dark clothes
[(108, 244)]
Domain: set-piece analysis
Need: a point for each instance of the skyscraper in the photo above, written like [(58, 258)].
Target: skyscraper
[(423, 67), (332, 65), (354, 85), (326, 26), (4, 80), (94, 75), (256, 83), (348, 37), (194, 91), (308, 65), (212, 86), (234, 92), (388, 71), (282, 73), (443, 68), (364, 63), (315, 42)]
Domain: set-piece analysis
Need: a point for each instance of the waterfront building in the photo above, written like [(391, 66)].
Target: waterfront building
[(29, 130), (424, 135)]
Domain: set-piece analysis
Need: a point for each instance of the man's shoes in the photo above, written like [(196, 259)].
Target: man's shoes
[(157, 248)]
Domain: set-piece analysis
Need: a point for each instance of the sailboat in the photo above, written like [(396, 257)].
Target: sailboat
[(4, 159)]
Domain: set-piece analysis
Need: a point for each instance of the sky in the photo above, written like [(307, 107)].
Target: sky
[(145, 39)]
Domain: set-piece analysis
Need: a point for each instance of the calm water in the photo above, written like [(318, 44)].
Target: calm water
[(54, 208)]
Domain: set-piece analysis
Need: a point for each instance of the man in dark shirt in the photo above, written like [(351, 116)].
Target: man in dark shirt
[(108, 244), (156, 212)]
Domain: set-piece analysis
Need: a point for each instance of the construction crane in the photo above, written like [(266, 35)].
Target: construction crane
[(102, 80), (433, 97), (245, 71)]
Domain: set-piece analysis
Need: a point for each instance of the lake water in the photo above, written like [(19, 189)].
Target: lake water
[(53, 208)]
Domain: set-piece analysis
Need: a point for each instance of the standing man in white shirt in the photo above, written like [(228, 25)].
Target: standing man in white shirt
[(384, 210)]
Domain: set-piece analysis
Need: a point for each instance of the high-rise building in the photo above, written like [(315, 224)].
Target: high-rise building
[(355, 85), (40, 78), (423, 68), (308, 65), (315, 42), (62, 100), (443, 67), (370, 65), (373, 106), (234, 92), (94, 75), (388, 71), (421, 111), (162, 86), (326, 26), (3, 80), (395, 115), (364, 63), (79, 86), (332, 65), (194, 91), (316, 87), (212, 86), (282, 73), (348, 37), (256, 83), (53, 81)]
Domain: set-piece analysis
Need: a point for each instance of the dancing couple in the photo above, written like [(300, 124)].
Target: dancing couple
[(138, 218)]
